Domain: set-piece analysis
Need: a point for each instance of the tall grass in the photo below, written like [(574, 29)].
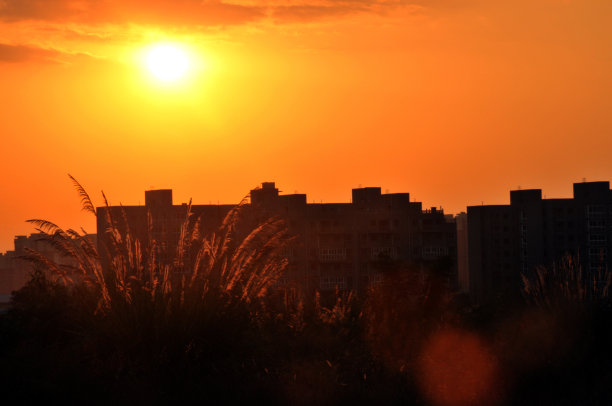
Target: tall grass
[(200, 305), (210, 309), (565, 282), (233, 262), (140, 324)]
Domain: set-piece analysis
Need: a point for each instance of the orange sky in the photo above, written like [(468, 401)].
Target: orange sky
[(454, 101)]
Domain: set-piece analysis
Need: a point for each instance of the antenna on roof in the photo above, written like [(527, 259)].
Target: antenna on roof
[(519, 187), (583, 180)]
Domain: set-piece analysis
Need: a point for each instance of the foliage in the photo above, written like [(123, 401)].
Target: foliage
[(124, 323), (566, 283)]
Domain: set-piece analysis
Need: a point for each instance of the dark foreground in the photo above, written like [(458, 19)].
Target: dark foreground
[(405, 343)]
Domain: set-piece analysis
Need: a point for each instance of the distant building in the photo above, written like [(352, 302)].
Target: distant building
[(12, 273), (338, 245), (505, 241), (15, 271)]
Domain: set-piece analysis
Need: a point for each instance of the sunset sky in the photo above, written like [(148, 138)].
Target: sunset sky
[(454, 101)]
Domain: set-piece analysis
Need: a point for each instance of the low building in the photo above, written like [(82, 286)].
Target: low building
[(15, 272), (338, 245)]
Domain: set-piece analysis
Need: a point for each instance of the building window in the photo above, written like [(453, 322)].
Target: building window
[(376, 279), (382, 252), (332, 254), (434, 252), (332, 282)]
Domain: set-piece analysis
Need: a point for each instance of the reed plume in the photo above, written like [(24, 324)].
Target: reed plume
[(235, 263), (566, 282)]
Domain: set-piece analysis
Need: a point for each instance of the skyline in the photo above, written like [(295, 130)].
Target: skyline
[(86, 218), (455, 102)]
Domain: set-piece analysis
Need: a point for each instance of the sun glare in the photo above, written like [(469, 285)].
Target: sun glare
[(167, 62)]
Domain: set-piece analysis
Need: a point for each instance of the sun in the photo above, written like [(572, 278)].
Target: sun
[(167, 62)]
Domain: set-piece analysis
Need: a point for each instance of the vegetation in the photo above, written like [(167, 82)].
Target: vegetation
[(565, 283), (130, 323)]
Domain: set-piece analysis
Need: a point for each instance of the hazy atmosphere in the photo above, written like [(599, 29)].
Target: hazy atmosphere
[(453, 101)]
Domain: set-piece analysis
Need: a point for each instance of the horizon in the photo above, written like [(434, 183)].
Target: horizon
[(178, 201)]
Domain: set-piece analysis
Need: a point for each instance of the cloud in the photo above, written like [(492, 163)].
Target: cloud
[(311, 12), (184, 12), (88, 25), (22, 53), (158, 12), (29, 53)]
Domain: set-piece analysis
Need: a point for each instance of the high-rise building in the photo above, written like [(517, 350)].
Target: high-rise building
[(505, 241), (463, 275)]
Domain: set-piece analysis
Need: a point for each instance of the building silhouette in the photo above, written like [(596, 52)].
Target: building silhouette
[(337, 245), (15, 271), (505, 241), (463, 270), (351, 245)]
